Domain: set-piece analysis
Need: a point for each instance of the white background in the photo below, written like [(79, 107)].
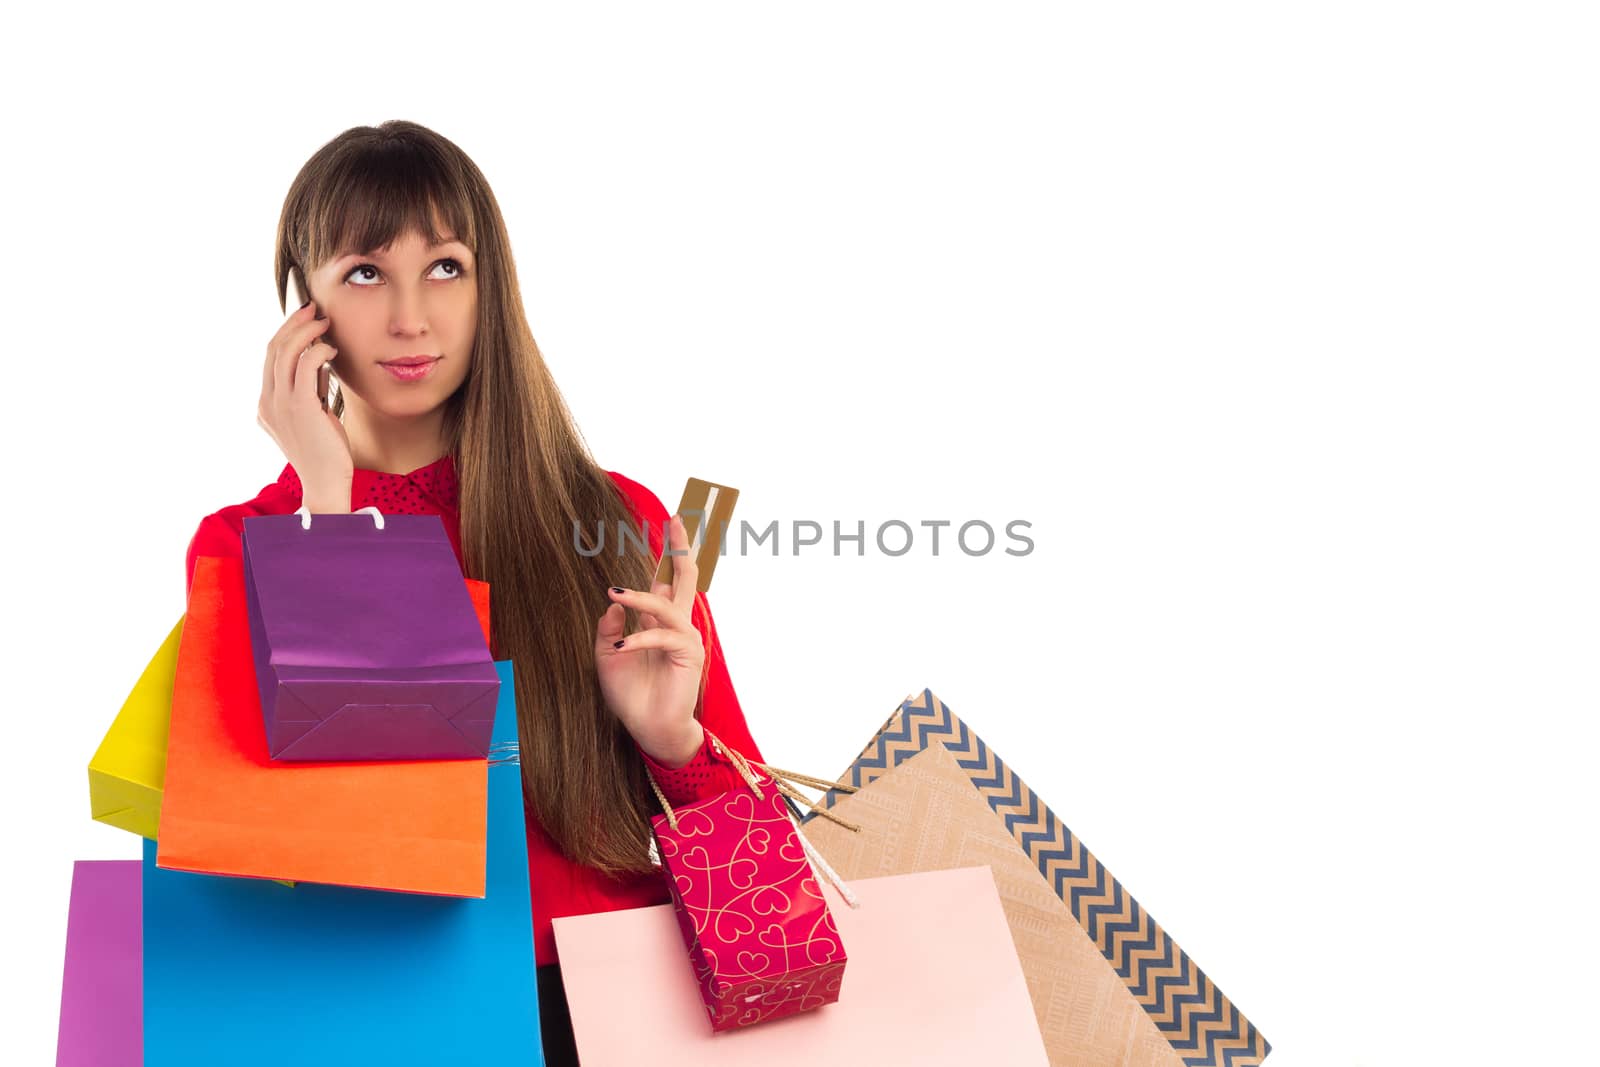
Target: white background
[(1276, 322)]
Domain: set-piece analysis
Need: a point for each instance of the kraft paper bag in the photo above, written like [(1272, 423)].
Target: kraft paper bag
[(364, 639), (101, 991), (243, 973), (411, 826), (933, 981), (1109, 986), (128, 769)]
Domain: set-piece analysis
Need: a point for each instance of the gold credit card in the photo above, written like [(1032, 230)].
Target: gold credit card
[(707, 510)]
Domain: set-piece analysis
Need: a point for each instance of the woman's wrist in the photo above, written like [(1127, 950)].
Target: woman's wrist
[(674, 753), (328, 500)]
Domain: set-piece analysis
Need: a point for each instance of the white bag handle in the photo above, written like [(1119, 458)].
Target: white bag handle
[(305, 516)]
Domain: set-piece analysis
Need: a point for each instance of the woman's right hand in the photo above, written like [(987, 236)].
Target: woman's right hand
[(311, 436)]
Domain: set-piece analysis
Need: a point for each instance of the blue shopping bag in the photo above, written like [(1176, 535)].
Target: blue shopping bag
[(244, 971)]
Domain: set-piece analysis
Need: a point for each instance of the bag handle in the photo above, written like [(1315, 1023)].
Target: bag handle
[(781, 780), (305, 516)]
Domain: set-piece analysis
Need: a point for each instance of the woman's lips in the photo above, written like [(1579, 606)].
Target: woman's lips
[(412, 373)]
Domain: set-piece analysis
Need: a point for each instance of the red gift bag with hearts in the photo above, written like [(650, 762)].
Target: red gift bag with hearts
[(748, 901)]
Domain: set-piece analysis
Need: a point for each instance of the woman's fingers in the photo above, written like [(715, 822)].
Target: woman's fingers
[(276, 341), (307, 365), (293, 326), (609, 629), (667, 606), (661, 638), (310, 335), (646, 619), (289, 343), (685, 573), (664, 611)]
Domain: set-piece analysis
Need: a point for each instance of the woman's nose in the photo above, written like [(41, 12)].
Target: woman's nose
[(408, 312)]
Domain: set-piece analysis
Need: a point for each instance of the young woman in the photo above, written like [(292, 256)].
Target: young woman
[(442, 404)]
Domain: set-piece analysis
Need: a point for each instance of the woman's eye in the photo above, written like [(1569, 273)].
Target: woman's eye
[(365, 274)]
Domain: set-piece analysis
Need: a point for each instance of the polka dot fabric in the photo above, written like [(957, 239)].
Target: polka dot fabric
[(424, 491)]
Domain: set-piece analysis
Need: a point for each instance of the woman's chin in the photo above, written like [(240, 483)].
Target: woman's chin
[(399, 407), (410, 407)]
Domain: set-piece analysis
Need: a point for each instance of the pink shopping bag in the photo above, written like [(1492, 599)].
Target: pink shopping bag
[(934, 980)]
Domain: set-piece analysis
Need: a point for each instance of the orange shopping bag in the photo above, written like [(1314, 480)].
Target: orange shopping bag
[(415, 826)]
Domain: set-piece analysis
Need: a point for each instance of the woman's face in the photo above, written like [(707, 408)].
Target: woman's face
[(397, 302)]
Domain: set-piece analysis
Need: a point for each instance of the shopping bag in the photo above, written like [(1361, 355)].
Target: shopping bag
[(761, 938), (239, 972), (934, 981), (364, 640), (127, 770), (1109, 986), (413, 826), (101, 991)]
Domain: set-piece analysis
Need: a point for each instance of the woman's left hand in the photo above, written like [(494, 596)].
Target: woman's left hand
[(651, 679)]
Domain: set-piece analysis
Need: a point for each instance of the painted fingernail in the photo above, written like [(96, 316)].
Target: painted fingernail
[(617, 645), (618, 589)]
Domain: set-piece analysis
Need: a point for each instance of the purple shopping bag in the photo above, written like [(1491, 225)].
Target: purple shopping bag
[(365, 641)]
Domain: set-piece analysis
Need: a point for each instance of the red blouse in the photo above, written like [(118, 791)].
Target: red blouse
[(558, 885)]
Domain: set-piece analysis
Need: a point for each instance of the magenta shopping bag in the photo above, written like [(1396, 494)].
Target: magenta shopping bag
[(365, 641), (102, 993)]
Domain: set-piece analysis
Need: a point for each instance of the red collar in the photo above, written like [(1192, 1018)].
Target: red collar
[(393, 492)]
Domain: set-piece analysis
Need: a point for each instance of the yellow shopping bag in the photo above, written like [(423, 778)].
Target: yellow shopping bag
[(129, 767)]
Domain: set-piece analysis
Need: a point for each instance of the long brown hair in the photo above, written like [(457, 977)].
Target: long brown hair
[(525, 474)]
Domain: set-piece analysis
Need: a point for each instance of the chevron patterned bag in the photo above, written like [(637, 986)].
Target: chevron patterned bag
[(1109, 986)]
